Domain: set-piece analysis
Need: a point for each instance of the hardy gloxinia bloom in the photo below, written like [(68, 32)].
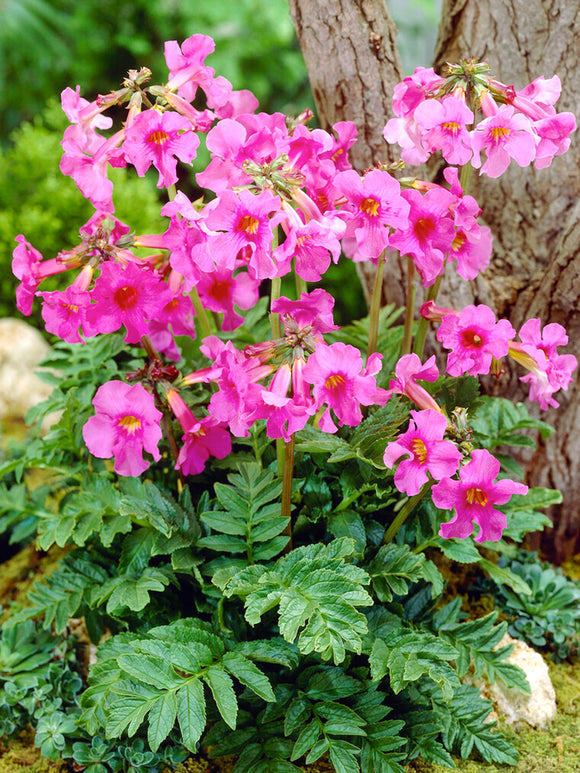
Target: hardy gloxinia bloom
[(444, 128), (424, 450), (340, 382), (408, 371), (503, 136), (538, 352), (125, 425), (127, 297), (474, 338), (160, 139), (473, 497)]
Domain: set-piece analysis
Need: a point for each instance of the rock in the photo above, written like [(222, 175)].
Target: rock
[(537, 709), (21, 349)]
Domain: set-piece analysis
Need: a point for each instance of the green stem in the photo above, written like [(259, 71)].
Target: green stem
[(410, 309), (200, 313), (401, 516), (301, 286), (465, 176), (275, 318), (424, 323), (287, 489), (376, 297)]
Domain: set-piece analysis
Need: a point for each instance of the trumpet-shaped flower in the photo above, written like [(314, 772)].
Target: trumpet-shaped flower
[(160, 139), (125, 425), (473, 497), (424, 451), (474, 338)]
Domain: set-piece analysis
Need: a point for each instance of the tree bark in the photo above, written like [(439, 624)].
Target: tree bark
[(534, 214), (353, 65)]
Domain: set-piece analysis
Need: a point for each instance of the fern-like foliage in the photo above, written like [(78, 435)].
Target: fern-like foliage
[(317, 592), (248, 521), (164, 677)]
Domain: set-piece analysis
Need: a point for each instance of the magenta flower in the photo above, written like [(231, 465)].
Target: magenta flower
[(126, 424), (220, 290), (474, 338), (246, 231), (160, 139), (340, 382), (473, 497), (538, 352), (444, 128), (375, 206), (425, 451), (313, 310), (125, 297), (187, 70), (504, 136), (430, 232), (201, 439), (408, 371), (64, 312)]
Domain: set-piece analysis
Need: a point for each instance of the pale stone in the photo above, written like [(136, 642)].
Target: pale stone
[(21, 349), (536, 709)]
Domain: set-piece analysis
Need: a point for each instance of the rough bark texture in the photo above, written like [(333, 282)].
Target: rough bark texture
[(534, 216), (353, 64)]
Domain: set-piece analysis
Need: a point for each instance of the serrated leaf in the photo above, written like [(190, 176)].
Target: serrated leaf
[(504, 576), (306, 740), (161, 719), (191, 713), (249, 675), (221, 686), (150, 670)]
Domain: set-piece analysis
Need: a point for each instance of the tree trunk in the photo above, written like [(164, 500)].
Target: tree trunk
[(353, 63), (534, 216)]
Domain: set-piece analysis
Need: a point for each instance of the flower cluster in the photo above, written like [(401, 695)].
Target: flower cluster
[(285, 200), (435, 113)]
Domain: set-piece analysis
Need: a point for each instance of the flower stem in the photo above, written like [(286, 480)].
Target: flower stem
[(287, 489), (200, 313), (376, 297), (424, 323), (401, 516), (301, 286), (410, 309), (275, 318)]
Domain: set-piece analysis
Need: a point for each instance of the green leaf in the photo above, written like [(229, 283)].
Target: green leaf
[(522, 512), (150, 670), (221, 687), (342, 757), (249, 674), (393, 568), (461, 550), (161, 719), (505, 576), (191, 713), (306, 740)]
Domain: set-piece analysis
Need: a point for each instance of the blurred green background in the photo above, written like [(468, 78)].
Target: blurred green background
[(47, 45)]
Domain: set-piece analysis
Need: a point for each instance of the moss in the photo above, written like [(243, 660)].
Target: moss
[(20, 755), (556, 749)]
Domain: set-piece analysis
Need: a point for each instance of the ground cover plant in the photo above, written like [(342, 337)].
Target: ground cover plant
[(254, 502)]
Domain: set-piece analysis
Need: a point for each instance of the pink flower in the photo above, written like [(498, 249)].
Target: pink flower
[(126, 424), (125, 297), (408, 371), (187, 70), (473, 497), (64, 312), (201, 439), (430, 232), (444, 128), (221, 290), (504, 136), (426, 452), (474, 338), (340, 382), (313, 310), (538, 352), (375, 206), (160, 139), (246, 231)]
